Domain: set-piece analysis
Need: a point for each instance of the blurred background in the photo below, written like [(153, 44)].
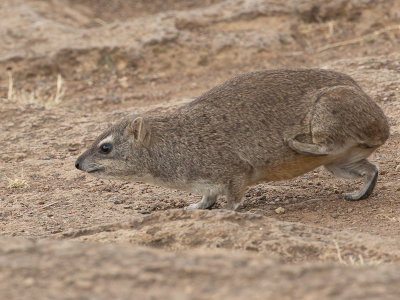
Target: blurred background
[(116, 52)]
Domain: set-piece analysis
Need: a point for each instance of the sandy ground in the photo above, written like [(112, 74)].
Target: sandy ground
[(66, 235)]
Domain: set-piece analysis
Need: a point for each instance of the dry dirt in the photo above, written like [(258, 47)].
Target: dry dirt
[(65, 235)]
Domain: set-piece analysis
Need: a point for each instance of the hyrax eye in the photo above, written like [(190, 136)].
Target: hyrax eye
[(105, 148)]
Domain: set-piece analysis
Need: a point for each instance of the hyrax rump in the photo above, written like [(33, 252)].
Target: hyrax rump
[(257, 127)]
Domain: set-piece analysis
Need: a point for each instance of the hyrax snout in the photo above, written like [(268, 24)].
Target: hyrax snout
[(257, 127)]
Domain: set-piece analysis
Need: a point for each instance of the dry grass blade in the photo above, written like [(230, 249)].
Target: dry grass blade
[(17, 182), (10, 84), (59, 91), (339, 254), (40, 95)]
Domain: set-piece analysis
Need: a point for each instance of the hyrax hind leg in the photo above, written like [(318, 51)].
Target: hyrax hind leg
[(346, 127), (361, 168), (305, 148), (234, 193)]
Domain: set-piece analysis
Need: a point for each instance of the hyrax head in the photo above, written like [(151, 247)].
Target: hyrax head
[(118, 153)]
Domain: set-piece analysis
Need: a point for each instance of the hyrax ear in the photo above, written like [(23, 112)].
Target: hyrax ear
[(139, 130)]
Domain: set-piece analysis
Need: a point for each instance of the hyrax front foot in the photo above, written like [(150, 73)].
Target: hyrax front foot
[(233, 206), (205, 203), (195, 206)]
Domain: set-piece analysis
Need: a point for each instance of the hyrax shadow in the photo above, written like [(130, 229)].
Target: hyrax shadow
[(257, 127)]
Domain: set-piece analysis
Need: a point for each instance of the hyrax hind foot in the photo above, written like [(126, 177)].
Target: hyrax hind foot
[(366, 189), (362, 168)]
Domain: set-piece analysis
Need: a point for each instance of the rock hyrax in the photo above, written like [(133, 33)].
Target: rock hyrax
[(257, 127)]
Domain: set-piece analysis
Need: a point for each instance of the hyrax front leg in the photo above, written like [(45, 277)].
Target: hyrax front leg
[(205, 203), (234, 195), (233, 202), (362, 168)]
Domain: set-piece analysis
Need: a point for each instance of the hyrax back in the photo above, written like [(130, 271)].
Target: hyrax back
[(257, 127)]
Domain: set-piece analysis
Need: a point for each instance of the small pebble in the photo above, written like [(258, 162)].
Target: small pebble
[(397, 168), (280, 210), (46, 157), (334, 215), (350, 209), (154, 198), (117, 202), (29, 282), (127, 207), (247, 195), (144, 211)]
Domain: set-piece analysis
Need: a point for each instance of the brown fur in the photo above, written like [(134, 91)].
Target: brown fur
[(257, 127)]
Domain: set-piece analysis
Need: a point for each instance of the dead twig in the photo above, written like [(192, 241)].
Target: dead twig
[(359, 39), (50, 204)]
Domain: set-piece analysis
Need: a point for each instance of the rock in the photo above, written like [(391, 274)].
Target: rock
[(280, 210)]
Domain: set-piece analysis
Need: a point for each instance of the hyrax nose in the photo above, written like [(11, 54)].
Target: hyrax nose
[(77, 164)]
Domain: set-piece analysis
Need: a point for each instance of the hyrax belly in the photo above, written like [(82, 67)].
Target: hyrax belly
[(292, 166)]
